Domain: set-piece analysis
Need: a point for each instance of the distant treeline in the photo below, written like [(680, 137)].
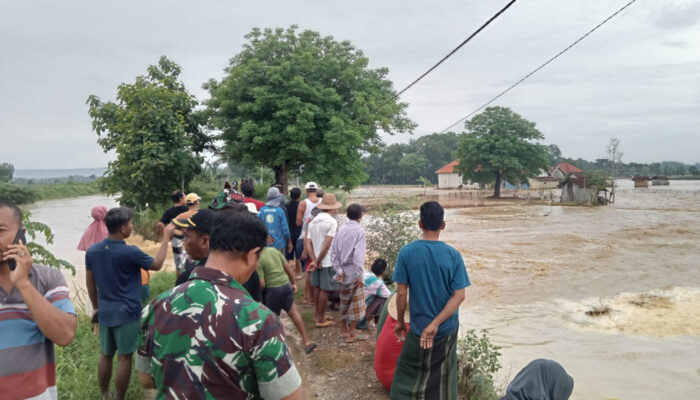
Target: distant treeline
[(405, 163)]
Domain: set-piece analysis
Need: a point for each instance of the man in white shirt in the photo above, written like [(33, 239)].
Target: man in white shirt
[(321, 232)]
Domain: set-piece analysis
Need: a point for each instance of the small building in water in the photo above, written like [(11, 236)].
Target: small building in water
[(641, 181), (659, 181), (574, 189)]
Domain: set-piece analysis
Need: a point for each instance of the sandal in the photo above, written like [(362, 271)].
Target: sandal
[(359, 337), (310, 348), (324, 324)]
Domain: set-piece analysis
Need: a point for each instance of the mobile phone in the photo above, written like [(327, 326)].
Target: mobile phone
[(20, 236)]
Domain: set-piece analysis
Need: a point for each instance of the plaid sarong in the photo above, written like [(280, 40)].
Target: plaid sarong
[(352, 302), (426, 374)]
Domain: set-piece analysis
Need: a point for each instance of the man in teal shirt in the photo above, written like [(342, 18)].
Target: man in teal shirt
[(436, 276)]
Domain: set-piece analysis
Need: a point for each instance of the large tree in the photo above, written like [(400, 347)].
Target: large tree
[(500, 145), (7, 172), (302, 102), (154, 131)]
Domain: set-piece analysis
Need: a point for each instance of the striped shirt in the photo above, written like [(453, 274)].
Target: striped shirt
[(28, 367)]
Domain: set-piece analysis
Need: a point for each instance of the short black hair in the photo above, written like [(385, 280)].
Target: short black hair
[(15, 211), (378, 266), (295, 193), (354, 211), (432, 215), (118, 217), (177, 195), (237, 232), (248, 189)]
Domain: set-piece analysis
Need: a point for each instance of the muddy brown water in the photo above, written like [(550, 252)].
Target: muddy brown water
[(535, 271)]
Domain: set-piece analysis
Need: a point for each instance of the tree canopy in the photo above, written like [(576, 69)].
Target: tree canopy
[(405, 163), (306, 103), (7, 172), (499, 145), (155, 133)]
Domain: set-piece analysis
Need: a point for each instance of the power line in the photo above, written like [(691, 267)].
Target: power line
[(447, 56), (539, 68)]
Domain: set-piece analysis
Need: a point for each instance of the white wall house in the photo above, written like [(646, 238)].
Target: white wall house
[(448, 178)]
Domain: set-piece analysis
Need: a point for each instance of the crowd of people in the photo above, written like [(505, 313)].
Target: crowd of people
[(217, 332)]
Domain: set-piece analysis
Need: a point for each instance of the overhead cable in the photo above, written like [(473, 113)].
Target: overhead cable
[(447, 56), (538, 68)]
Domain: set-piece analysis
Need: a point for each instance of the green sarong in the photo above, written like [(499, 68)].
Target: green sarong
[(426, 374)]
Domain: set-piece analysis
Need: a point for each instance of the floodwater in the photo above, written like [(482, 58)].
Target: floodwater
[(536, 270)]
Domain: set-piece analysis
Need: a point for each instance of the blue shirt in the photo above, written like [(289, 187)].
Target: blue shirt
[(432, 270), (275, 220), (117, 270)]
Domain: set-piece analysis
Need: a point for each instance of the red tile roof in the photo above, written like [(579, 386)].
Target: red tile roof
[(448, 169), (568, 168)]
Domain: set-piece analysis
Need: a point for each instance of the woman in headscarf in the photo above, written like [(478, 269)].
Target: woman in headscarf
[(97, 231), (541, 380)]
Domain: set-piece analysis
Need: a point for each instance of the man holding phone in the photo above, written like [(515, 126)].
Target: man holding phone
[(36, 313)]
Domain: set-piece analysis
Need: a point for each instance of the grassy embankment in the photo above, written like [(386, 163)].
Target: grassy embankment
[(76, 364), (25, 194)]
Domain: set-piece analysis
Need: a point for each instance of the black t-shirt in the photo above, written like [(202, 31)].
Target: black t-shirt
[(253, 287), (292, 208), (171, 213)]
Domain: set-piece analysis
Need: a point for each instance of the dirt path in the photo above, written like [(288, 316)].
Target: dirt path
[(335, 369)]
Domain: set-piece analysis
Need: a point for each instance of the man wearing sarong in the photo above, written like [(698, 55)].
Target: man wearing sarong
[(435, 274)]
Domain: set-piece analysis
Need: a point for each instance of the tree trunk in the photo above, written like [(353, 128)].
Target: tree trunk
[(282, 176), (499, 183)]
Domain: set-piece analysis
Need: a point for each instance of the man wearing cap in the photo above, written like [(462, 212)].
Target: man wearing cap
[(321, 232), (196, 232), (275, 219), (207, 338), (192, 201)]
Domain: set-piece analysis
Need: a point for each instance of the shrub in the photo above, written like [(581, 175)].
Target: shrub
[(146, 222), (39, 252), (387, 232), (160, 282), (17, 194), (477, 362)]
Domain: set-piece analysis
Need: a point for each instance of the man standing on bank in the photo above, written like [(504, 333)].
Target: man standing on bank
[(113, 281), (435, 274)]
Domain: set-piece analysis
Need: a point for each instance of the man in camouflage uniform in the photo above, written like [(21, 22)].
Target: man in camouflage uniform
[(207, 338)]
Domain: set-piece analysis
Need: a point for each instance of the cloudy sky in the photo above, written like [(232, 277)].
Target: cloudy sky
[(637, 78)]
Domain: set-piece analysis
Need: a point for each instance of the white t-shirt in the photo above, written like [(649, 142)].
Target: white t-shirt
[(310, 205), (321, 226)]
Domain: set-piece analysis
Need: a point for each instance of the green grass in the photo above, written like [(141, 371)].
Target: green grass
[(160, 282), (65, 190), (76, 366)]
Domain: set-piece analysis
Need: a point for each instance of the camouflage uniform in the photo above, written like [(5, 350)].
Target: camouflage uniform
[(207, 338)]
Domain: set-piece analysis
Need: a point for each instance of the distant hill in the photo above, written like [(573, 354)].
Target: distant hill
[(57, 173)]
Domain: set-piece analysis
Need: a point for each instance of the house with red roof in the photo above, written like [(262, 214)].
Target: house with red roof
[(563, 170), (448, 177)]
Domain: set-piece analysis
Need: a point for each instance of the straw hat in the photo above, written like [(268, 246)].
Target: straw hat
[(329, 203), (394, 312)]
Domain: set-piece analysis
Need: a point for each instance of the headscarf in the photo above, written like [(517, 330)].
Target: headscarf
[(541, 380), (273, 197), (97, 231)]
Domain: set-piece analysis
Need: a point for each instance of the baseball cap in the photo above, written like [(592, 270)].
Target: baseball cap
[(201, 220), (191, 198), (311, 185)]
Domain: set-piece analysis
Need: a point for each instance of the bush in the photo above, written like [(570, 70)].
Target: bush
[(17, 194), (160, 282), (477, 362), (387, 232), (146, 222)]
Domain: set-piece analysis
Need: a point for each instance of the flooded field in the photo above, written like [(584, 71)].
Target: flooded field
[(536, 271)]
